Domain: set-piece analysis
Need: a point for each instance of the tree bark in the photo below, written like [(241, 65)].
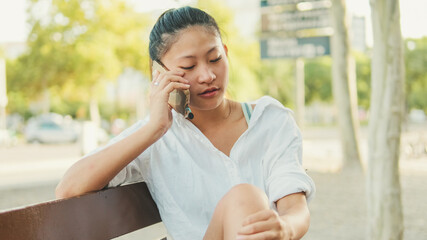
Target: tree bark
[(386, 114), (344, 87)]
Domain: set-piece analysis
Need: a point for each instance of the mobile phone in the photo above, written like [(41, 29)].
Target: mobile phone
[(178, 99)]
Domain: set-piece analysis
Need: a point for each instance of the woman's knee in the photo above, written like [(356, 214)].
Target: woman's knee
[(240, 201), (245, 194)]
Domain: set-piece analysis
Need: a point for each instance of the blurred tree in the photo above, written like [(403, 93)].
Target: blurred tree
[(416, 74), (344, 86), (386, 114), (76, 46)]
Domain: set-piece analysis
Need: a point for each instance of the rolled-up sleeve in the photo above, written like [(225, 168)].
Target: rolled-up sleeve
[(130, 174), (283, 171)]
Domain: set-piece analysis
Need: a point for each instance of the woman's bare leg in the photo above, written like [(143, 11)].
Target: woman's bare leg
[(241, 201)]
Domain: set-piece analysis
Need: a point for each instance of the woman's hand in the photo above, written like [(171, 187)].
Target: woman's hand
[(163, 84), (266, 224)]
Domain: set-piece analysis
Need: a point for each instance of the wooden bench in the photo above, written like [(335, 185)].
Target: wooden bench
[(104, 214)]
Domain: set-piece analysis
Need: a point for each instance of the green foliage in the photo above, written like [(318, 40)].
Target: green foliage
[(76, 47), (363, 79), (277, 80), (318, 77)]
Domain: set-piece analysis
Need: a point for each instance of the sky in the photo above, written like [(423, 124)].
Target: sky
[(13, 27)]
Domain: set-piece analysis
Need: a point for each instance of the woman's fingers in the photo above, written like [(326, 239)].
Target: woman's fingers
[(163, 79), (176, 85), (165, 83), (155, 74), (259, 216), (265, 224), (256, 227)]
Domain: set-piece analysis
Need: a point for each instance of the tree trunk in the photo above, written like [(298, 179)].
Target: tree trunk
[(386, 114), (344, 87), (46, 101), (45, 98), (4, 137), (3, 95)]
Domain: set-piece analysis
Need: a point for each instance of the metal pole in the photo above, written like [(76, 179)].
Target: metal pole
[(299, 92)]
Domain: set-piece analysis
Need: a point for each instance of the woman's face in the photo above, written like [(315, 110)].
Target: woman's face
[(200, 54)]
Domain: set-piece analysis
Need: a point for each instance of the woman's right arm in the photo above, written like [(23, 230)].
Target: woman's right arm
[(94, 172)]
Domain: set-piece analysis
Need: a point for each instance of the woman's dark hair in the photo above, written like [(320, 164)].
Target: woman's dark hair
[(171, 22)]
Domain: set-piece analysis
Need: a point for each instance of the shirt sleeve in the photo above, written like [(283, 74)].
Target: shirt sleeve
[(283, 163), (133, 172)]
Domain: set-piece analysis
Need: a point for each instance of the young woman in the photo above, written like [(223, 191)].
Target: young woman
[(232, 172)]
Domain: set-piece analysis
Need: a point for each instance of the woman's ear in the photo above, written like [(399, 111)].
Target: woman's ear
[(225, 49)]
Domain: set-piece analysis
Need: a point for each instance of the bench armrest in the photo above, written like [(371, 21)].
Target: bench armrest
[(104, 214)]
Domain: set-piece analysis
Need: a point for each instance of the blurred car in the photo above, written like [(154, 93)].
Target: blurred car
[(49, 130), (417, 116)]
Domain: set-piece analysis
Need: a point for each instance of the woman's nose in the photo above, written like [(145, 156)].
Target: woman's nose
[(206, 75)]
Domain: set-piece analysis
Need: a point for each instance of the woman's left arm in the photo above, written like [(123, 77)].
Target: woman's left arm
[(293, 210)]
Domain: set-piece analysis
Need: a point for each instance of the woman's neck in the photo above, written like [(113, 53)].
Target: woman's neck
[(205, 119)]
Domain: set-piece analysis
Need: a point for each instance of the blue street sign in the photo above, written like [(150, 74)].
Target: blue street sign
[(268, 3), (295, 47)]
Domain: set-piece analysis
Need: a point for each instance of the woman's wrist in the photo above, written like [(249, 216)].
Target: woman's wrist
[(288, 227), (154, 130)]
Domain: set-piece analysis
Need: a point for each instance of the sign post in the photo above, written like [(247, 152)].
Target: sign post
[(295, 29)]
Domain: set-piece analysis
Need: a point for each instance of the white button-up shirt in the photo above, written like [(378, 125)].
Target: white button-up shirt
[(187, 175)]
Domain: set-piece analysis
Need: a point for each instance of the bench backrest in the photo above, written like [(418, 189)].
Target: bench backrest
[(100, 215)]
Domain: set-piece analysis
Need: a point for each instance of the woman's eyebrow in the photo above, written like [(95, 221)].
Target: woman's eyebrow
[(208, 52), (212, 49)]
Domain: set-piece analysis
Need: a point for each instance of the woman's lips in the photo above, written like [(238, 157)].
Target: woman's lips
[(210, 92)]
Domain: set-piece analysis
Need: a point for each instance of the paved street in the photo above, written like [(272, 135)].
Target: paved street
[(27, 165)]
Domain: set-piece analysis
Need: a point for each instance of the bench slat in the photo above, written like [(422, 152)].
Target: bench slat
[(100, 215)]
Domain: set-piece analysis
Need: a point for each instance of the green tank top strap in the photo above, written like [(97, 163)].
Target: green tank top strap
[(247, 111)]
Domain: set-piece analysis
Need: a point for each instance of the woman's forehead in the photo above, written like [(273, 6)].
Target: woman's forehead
[(193, 41)]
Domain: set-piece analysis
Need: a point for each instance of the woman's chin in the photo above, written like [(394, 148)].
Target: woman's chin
[(205, 104)]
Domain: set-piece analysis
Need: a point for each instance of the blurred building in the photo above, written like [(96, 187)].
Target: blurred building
[(130, 91), (358, 33), (247, 16)]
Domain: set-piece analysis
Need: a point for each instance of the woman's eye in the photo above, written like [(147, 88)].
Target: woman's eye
[(188, 68), (217, 59)]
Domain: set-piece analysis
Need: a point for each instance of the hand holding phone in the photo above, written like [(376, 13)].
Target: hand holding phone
[(178, 99)]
